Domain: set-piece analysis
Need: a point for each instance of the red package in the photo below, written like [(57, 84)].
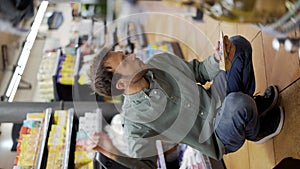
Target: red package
[(24, 130)]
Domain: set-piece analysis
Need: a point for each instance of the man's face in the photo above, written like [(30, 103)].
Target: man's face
[(128, 66)]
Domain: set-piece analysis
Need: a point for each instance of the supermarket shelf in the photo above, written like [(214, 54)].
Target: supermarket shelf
[(54, 73), (58, 53), (82, 92), (61, 91), (41, 156), (77, 87), (68, 138), (77, 62), (103, 110), (36, 143), (15, 112)]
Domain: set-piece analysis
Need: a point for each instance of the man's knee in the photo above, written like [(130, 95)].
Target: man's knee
[(238, 101), (241, 43)]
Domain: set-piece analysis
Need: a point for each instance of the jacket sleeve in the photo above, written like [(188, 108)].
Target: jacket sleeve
[(140, 139), (206, 70), (138, 148)]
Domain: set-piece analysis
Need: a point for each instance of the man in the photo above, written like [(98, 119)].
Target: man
[(164, 101)]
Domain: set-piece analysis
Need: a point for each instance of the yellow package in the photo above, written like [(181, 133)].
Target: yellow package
[(56, 141), (26, 160), (82, 80), (66, 80), (35, 116), (56, 137), (81, 157), (58, 163), (58, 128), (51, 158), (69, 55), (87, 166), (60, 114), (62, 121), (56, 148), (35, 130), (66, 69), (50, 165), (70, 59)]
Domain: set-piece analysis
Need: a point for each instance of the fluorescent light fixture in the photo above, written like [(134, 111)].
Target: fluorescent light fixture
[(23, 61), (14, 91), (39, 16), (16, 78), (26, 47), (276, 44), (31, 37), (288, 45), (12, 82), (292, 44)]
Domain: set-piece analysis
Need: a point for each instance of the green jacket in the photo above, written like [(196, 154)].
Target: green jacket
[(175, 108)]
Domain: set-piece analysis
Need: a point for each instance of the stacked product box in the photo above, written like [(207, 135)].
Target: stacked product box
[(89, 123), (44, 76), (57, 140), (66, 67), (29, 141), (85, 68)]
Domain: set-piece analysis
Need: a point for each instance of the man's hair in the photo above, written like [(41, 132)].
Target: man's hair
[(103, 79)]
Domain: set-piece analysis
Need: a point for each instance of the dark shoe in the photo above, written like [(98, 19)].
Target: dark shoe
[(267, 101), (270, 124)]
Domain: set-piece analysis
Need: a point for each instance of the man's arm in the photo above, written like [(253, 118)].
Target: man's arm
[(102, 143), (209, 68), (206, 70), (141, 140)]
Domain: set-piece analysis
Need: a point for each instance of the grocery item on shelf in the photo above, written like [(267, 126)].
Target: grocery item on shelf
[(44, 75), (156, 48), (193, 159), (59, 140), (29, 141), (65, 74), (89, 123), (85, 68)]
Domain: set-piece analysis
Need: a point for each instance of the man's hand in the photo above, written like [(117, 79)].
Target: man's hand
[(229, 49), (102, 143)]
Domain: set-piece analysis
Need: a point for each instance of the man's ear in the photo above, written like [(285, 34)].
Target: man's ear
[(122, 84)]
